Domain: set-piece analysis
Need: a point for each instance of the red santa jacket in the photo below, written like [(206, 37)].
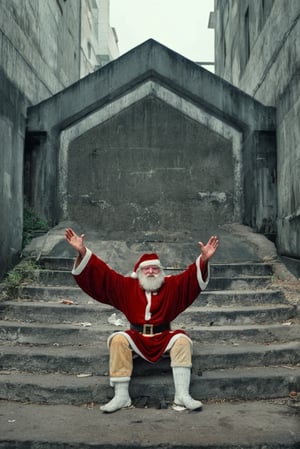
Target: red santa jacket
[(124, 293)]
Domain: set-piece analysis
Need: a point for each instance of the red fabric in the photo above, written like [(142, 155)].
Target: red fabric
[(177, 293), (146, 258)]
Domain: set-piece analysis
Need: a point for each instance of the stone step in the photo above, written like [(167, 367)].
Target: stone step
[(94, 358), (223, 270), (226, 384), (245, 296), (222, 425), (238, 282), (230, 384), (246, 348), (97, 313), (221, 316), (241, 269), (55, 263), (86, 333)]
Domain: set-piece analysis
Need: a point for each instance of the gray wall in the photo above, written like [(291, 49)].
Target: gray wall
[(257, 49), (39, 56), (150, 169), (152, 142), (12, 134)]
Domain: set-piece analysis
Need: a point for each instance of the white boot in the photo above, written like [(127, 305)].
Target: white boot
[(182, 377), (121, 398)]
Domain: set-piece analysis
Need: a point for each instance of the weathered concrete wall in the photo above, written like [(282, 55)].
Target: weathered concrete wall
[(288, 137), (259, 182), (257, 49), (130, 140), (12, 134), (39, 56), (150, 169), (40, 45)]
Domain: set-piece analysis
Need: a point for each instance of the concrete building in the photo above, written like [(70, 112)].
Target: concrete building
[(151, 146), (107, 36), (257, 49), (244, 123), (99, 41), (42, 43)]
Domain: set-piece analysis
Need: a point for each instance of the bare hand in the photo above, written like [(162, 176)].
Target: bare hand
[(75, 241), (208, 250)]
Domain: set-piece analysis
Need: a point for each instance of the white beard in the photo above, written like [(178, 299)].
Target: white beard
[(151, 283)]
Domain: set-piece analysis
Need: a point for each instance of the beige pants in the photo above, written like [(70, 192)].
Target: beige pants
[(120, 355)]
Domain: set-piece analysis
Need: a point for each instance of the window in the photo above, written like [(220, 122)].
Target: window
[(247, 36)]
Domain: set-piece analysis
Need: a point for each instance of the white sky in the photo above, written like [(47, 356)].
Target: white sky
[(181, 25)]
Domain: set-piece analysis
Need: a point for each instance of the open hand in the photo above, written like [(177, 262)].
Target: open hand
[(75, 241), (208, 250)]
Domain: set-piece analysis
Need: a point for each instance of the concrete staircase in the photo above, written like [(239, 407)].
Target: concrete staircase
[(53, 344)]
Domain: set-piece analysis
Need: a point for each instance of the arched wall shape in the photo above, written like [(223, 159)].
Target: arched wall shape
[(150, 161), (149, 80)]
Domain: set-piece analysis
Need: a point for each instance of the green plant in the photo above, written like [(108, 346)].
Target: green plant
[(24, 272), (12, 282), (32, 226)]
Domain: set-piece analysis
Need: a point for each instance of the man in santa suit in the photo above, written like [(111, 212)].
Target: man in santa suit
[(150, 301)]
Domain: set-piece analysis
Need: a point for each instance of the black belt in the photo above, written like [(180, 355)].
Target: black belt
[(150, 329)]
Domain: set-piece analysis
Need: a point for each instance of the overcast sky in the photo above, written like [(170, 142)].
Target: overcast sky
[(181, 25)]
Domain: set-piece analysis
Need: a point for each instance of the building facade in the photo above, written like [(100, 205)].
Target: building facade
[(99, 41), (257, 49), (44, 47)]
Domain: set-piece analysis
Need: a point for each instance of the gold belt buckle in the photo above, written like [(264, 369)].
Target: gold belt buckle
[(148, 329)]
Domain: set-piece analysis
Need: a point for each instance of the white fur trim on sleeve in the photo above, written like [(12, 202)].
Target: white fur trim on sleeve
[(202, 284), (79, 269)]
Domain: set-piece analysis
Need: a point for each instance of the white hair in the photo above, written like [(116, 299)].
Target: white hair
[(151, 283)]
